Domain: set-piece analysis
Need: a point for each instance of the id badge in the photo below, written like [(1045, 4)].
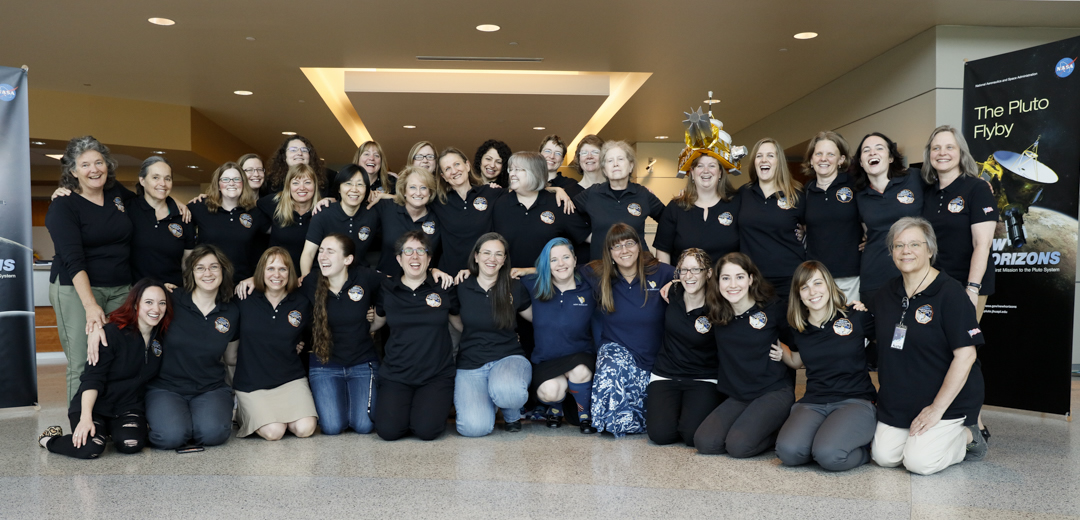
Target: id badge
[(898, 336)]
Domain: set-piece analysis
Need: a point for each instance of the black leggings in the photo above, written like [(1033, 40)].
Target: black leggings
[(420, 409), (128, 432), (675, 408)]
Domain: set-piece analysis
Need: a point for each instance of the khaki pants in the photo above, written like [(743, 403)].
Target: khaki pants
[(934, 450), (71, 324)]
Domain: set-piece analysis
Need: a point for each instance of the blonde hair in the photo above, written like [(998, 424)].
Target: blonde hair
[(785, 183), (286, 206), (403, 183), (797, 314)]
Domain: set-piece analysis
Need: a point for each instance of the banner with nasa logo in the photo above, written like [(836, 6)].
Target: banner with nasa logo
[(1021, 122), (18, 368)]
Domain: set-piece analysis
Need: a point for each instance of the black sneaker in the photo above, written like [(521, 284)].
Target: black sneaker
[(553, 420), (976, 449), (513, 427), (586, 426)]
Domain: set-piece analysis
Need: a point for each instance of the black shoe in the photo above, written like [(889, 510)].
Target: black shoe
[(985, 434), (51, 431), (554, 421), (587, 427), (513, 427)]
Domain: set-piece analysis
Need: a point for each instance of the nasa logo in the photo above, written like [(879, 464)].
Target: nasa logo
[(905, 197), (245, 220), (364, 234), (294, 318), (356, 293), (7, 92), (433, 300), (956, 205), (177, 230), (842, 327), (634, 208), (547, 217), (119, 204), (924, 314), (759, 320), (480, 204), (844, 194), (725, 218), (428, 227), (1063, 68), (702, 325)]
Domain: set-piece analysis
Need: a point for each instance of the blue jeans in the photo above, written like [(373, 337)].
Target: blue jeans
[(500, 384), (204, 419), (344, 396)]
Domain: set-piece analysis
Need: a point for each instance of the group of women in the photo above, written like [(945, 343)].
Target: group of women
[(451, 260)]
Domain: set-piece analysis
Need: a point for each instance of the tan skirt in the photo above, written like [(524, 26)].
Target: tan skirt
[(289, 402)]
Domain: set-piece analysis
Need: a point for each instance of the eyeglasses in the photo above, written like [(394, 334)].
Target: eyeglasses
[(914, 246), (230, 180), (498, 255), (594, 153), (408, 251), (517, 170), (301, 149), (692, 270), (427, 157), (199, 269), (552, 153), (254, 170), (629, 244)]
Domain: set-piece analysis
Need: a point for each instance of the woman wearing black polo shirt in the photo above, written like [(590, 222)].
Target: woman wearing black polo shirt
[(92, 234), (416, 379), (161, 239), (110, 398), (252, 166), (289, 211), (343, 364), (229, 220), (190, 401), (682, 388), (884, 193), (272, 393), (564, 357), (553, 149), (491, 161), (492, 371), (409, 210), (770, 213), (962, 210), (461, 199), (930, 376), (294, 150), (350, 217), (747, 320), (617, 201), (626, 282), (422, 155), (834, 421), (369, 156), (703, 216), (587, 161), (833, 229)]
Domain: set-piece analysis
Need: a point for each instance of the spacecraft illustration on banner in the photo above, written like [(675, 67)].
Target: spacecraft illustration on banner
[(1018, 180)]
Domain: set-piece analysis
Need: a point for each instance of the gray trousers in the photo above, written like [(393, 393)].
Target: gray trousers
[(744, 428), (835, 435)]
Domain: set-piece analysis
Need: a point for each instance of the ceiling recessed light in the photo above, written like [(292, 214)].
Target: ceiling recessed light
[(661, 137), (250, 38), (37, 143), (487, 27), (192, 166), (539, 128), (783, 50), (161, 21), (56, 156), (159, 152), (288, 133), (243, 92), (805, 35), (409, 126)]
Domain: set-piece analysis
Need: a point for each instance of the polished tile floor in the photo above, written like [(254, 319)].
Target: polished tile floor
[(1032, 471)]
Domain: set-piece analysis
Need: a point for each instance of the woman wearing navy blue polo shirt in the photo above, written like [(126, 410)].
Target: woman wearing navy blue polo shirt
[(408, 210), (563, 358), (617, 201), (272, 391), (747, 320), (190, 400), (833, 229), (416, 379), (350, 217), (703, 216), (161, 239), (343, 364), (835, 420), (229, 220), (962, 210), (626, 282), (771, 210), (492, 371), (682, 388)]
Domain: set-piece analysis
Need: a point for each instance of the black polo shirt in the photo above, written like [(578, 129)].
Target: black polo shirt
[(395, 221), (195, 345), (419, 348), (689, 349), (346, 315), (743, 345), (835, 358), (638, 320), (91, 238), (464, 221), (903, 197), (939, 320), (361, 227), (268, 337), (602, 208), (952, 211), (833, 228), (768, 231), (714, 229), (481, 341), (528, 230), (237, 233), (121, 373), (158, 245), (565, 320), (570, 186), (292, 237)]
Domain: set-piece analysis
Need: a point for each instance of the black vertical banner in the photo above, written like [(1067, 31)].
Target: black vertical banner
[(18, 370), (1022, 122)]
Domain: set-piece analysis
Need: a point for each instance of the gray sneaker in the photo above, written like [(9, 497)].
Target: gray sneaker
[(976, 449)]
